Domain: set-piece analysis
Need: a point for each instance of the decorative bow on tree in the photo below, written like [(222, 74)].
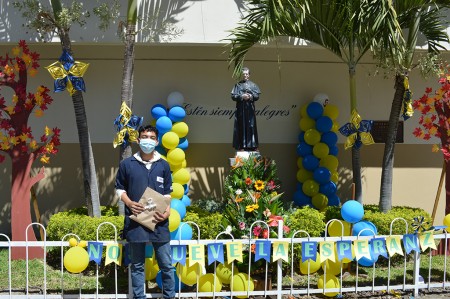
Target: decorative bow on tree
[(68, 73), (357, 132), (407, 108), (126, 126)]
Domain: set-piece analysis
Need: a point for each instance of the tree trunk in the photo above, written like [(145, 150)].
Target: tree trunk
[(385, 203), (447, 187), (356, 167), (20, 205), (87, 157), (128, 76)]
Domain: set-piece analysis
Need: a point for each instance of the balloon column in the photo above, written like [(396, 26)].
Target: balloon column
[(172, 145), (317, 163)]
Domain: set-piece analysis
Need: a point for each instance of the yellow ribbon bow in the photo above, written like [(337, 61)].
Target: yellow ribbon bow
[(126, 125), (357, 131)]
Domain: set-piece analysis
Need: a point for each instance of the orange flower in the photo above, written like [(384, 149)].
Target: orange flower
[(273, 220), (238, 199), (253, 247), (257, 195), (248, 181)]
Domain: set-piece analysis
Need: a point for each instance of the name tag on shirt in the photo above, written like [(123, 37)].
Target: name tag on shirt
[(159, 179)]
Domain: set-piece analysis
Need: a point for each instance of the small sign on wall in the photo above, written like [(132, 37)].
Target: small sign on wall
[(380, 130)]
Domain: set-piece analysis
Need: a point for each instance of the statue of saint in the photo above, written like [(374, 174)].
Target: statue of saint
[(245, 93)]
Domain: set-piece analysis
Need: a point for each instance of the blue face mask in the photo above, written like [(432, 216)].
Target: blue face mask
[(147, 145)]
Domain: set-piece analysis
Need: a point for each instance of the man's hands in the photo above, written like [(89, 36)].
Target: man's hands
[(161, 216), (246, 96), (135, 207)]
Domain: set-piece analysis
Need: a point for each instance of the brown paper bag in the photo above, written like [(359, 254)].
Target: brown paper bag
[(152, 201)]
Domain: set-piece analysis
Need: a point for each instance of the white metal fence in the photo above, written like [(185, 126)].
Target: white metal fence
[(413, 284)]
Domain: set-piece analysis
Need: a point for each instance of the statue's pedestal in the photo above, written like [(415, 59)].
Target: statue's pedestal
[(243, 155)]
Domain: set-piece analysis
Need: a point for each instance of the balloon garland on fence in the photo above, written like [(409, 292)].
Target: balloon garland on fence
[(172, 145), (317, 163)]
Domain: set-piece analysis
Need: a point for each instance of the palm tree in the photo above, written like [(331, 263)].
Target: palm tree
[(348, 28), (44, 21), (418, 17)]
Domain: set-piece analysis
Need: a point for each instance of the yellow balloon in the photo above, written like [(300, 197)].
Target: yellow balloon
[(174, 220), (334, 177), (181, 176), (170, 140), (331, 111), (177, 190), (188, 275), (333, 268), (176, 156), (321, 150), (151, 269), (209, 283), (82, 243), (303, 175), (180, 128), (314, 266), (319, 201), (330, 162), (447, 220), (331, 283), (73, 242), (307, 123), (335, 126), (335, 229), (241, 282), (223, 271), (300, 162), (312, 136), (76, 259), (303, 112)]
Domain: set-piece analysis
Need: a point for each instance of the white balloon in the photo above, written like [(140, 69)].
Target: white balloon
[(175, 98), (322, 98)]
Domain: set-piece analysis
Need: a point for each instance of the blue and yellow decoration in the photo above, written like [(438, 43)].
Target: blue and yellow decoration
[(407, 109), (357, 131), (68, 73), (126, 125)]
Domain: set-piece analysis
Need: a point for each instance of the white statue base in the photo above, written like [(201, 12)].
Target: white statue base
[(243, 155)]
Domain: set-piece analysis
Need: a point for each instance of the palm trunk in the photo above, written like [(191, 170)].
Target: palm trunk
[(356, 161), (385, 203), (128, 75), (90, 184)]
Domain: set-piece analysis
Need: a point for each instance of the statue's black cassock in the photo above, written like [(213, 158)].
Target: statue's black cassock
[(245, 135)]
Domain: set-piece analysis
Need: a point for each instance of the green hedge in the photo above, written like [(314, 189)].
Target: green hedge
[(308, 219), (77, 222), (210, 224)]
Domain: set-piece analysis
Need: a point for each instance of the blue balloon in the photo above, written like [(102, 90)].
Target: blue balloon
[(358, 228), (333, 150), (328, 189), (333, 200), (177, 113), (301, 199), (301, 137), (368, 262), (314, 110), (158, 110), (324, 124), (177, 281), (178, 206), (310, 162), (164, 125), (186, 200), (329, 138), (321, 175), (183, 144), (304, 149), (352, 211), (184, 231)]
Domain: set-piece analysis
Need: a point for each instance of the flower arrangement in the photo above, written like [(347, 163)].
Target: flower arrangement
[(253, 193)]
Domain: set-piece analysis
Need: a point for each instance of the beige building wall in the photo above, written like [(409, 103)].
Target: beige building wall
[(200, 72)]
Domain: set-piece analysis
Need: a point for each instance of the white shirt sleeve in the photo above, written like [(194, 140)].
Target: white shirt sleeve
[(119, 192)]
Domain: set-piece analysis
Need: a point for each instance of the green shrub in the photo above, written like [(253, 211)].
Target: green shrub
[(210, 224), (383, 221), (307, 219), (77, 222)]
